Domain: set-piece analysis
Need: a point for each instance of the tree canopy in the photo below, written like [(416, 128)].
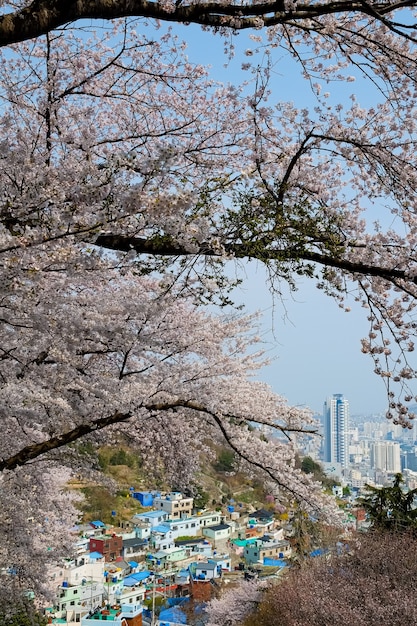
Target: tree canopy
[(291, 187), (391, 508), (370, 582), (129, 179)]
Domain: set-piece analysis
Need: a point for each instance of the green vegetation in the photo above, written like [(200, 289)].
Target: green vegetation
[(391, 508), (226, 460), (309, 534), (100, 502), (310, 466), (120, 456), (201, 498), (216, 486)]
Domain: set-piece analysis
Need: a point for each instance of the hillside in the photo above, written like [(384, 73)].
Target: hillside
[(109, 497)]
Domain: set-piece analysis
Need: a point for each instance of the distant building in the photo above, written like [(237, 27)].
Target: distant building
[(385, 456), (336, 425)]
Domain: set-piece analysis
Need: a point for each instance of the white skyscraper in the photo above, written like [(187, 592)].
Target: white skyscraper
[(336, 425)]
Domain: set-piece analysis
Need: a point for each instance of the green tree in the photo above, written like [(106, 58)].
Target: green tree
[(121, 457), (310, 466), (225, 461), (201, 498), (391, 508)]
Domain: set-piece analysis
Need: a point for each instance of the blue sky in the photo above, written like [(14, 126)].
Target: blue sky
[(314, 345)]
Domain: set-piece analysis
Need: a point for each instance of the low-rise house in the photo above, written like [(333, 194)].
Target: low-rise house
[(145, 497), (182, 577), (199, 548), (257, 551), (223, 562), (185, 527), (261, 521), (220, 532), (73, 601), (162, 537), (135, 547), (204, 570), (163, 559), (154, 518), (117, 570), (141, 529), (209, 518), (175, 504), (138, 579), (97, 526), (89, 570), (133, 589), (110, 546)]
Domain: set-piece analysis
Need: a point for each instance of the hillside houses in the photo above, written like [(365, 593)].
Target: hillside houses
[(168, 547)]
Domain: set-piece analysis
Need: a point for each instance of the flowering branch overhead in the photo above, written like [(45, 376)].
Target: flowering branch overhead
[(39, 17)]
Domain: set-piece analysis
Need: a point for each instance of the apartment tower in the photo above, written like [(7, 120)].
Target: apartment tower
[(336, 424)]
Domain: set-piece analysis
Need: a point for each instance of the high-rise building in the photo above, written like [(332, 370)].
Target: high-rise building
[(336, 425), (385, 456)]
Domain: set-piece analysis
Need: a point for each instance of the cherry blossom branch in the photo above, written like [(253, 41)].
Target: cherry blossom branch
[(33, 451), (42, 16), (168, 247)]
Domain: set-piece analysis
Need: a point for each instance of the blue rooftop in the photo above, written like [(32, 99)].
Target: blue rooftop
[(156, 514), (95, 555), (275, 562), (97, 524), (161, 528), (135, 579)]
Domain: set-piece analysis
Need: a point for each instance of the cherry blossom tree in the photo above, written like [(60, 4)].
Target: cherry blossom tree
[(130, 178), (371, 583), (96, 343), (235, 604), (290, 187)]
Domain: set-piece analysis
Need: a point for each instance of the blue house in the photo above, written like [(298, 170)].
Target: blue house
[(144, 497)]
